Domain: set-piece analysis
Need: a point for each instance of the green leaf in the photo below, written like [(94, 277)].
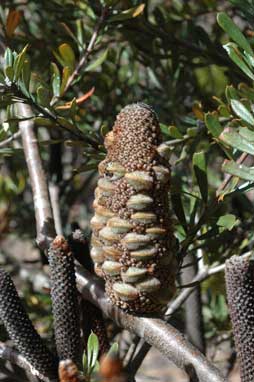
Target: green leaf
[(67, 55), (26, 74), (242, 111), (238, 142), (9, 72), (227, 221), (65, 76), (233, 31), (178, 209), (200, 169), (8, 58), (237, 58), (239, 170), (128, 14), (246, 133), (43, 96), (18, 63), (55, 79), (84, 362), (113, 349), (92, 351), (213, 124), (97, 62), (174, 132)]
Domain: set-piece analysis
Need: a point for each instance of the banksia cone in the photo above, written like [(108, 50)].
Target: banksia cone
[(92, 316), (239, 275), (21, 330), (64, 296), (132, 240)]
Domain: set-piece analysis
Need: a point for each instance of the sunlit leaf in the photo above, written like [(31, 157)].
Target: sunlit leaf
[(235, 140), (242, 112), (227, 221), (233, 31), (239, 170), (128, 14), (236, 57)]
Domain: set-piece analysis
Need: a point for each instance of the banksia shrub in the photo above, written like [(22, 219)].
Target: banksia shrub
[(21, 330), (132, 240), (64, 296), (239, 275)]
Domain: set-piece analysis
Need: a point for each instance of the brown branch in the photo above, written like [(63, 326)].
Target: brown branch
[(89, 48), (43, 214), (11, 355), (10, 139), (169, 341)]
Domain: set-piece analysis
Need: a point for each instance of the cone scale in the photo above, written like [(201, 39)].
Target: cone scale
[(132, 240)]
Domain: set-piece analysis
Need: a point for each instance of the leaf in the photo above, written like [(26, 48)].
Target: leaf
[(113, 349), (92, 351), (178, 209), (236, 57), (26, 73), (200, 169), (239, 170), (79, 101), (67, 55), (242, 111), (65, 76), (227, 221), (43, 96), (9, 72), (233, 31), (55, 79), (18, 63), (97, 62), (213, 124), (13, 20), (8, 57), (128, 14), (174, 132), (238, 142), (246, 133), (84, 362)]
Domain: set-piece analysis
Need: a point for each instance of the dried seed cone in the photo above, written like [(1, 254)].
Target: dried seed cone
[(64, 296), (239, 274), (132, 242), (21, 330)]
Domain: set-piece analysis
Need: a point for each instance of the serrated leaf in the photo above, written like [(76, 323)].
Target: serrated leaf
[(239, 170), (233, 31), (67, 55), (92, 351), (97, 62), (242, 111), (213, 124), (128, 14), (200, 169), (237, 58), (235, 140), (227, 221)]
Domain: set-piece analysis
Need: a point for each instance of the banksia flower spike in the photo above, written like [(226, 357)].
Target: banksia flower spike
[(239, 274), (21, 330), (132, 240), (92, 319), (64, 296)]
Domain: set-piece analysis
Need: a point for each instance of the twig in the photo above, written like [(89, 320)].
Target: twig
[(11, 355), (89, 48), (43, 214), (10, 139), (201, 276), (169, 341)]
